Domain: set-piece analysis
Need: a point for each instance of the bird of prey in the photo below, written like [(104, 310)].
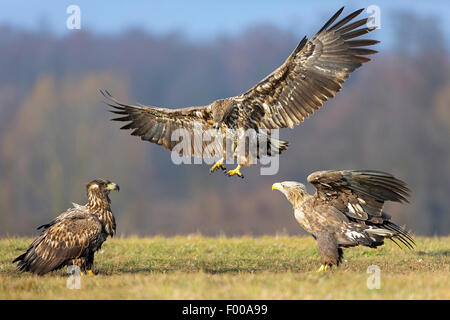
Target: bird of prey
[(312, 74), (74, 236), (347, 210)]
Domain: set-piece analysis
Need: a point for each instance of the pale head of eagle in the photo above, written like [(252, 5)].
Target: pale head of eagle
[(294, 191)]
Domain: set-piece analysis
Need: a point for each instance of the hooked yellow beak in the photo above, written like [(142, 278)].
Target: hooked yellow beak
[(277, 186), (113, 186)]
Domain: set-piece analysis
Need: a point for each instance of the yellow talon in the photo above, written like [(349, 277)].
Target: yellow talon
[(90, 273), (324, 268), (236, 171), (218, 164)]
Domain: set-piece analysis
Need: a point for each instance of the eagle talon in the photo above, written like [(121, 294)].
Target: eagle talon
[(236, 171), (90, 273), (323, 268), (218, 164)]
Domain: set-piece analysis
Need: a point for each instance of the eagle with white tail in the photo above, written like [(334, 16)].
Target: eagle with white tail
[(347, 210), (312, 74)]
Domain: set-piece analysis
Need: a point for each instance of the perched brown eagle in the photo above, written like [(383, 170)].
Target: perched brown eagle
[(73, 237), (312, 74), (347, 210)]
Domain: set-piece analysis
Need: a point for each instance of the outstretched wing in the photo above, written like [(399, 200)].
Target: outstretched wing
[(359, 194), (157, 125), (64, 240), (314, 72)]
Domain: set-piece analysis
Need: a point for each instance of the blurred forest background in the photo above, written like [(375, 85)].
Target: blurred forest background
[(55, 135)]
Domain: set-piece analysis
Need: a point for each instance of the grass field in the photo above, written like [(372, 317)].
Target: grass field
[(196, 267)]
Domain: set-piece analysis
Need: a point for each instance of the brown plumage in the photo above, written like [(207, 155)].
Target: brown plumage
[(75, 235), (347, 210), (312, 74)]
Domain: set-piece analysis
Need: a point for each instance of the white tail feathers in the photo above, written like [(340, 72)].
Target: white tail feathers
[(278, 146), (381, 232)]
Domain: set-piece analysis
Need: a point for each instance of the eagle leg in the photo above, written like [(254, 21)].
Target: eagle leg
[(236, 171), (218, 164)]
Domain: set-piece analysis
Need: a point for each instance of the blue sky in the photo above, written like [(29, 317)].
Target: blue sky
[(203, 19)]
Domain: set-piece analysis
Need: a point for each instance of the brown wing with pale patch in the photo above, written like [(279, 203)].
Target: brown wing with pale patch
[(312, 74), (76, 210), (359, 194), (63, 241), (157, 125)]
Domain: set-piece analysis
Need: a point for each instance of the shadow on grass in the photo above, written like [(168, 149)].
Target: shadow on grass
[(232, 270), (437, 253), (169, 270)]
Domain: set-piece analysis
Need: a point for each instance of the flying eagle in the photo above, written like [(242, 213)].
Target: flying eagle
[(347, 210), (312, 74), (74, 236)]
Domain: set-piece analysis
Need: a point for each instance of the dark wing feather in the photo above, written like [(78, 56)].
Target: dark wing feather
[(63, 241), (359, 194), (157, 125), (312, 74), (77, 210)]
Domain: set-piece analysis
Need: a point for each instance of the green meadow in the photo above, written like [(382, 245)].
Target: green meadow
[(269, 267)]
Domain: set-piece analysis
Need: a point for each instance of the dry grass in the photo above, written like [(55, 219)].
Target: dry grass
[(197, 267)]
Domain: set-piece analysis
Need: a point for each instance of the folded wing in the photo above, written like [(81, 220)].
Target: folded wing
[(61, 242)]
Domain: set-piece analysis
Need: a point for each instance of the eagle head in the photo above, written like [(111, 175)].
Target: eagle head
[(221, 109), (102, 186), (291, 189)]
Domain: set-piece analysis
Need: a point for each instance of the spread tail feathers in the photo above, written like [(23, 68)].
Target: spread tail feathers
[(274, 146), (393, 232), (278, 145)]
